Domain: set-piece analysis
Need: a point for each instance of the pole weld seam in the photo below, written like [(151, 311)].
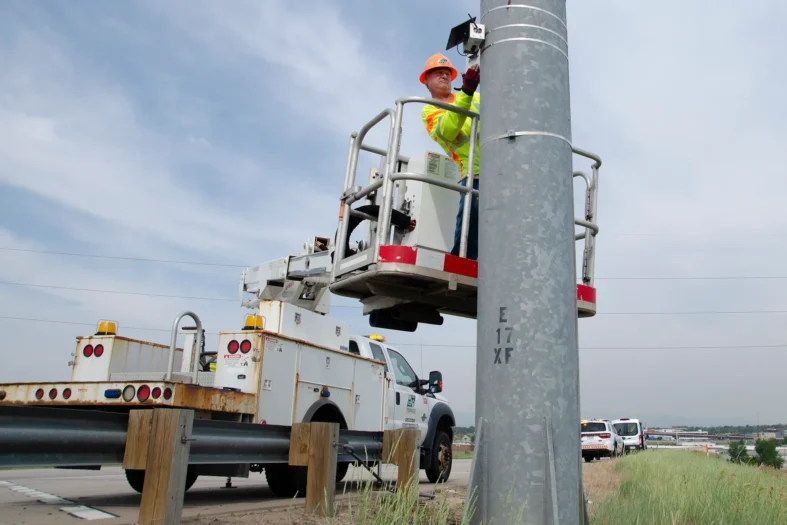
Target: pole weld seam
[(525, 6)]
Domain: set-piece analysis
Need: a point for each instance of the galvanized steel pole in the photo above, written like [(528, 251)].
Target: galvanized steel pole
[(527, 361)]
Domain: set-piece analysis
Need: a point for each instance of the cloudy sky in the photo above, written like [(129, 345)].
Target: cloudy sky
[(216, 133)]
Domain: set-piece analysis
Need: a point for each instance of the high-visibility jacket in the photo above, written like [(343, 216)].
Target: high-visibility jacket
[(452, 130)]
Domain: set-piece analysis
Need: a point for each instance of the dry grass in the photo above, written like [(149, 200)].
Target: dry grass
[(601, 480), (362, 507), (367, 505)]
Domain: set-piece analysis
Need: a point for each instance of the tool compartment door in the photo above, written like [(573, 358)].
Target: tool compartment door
[(277, 382), (369, 396), (319, 370)]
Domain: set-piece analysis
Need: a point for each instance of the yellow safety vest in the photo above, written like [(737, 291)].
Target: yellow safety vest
[(452, 130)]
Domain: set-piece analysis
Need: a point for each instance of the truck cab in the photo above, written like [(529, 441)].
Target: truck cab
[(413, 403)]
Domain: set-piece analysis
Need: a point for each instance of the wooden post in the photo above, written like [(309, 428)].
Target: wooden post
[(315, 445), (400, 447), (299, 445), (166, 465), (135, 456), (407, 460), (389, 446)]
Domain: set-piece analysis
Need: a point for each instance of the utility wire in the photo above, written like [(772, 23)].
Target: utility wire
[(198, 263), (139, 259), (441, 345), (690, 347), (694, 278), (192, 297), (76, 323), (120, 292), (124, 292)]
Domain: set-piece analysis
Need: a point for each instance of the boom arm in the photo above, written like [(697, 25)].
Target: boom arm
[(301, 279)]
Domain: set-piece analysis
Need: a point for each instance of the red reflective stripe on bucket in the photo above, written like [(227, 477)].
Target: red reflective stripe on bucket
[(586, 293), (398, 254), (455, 265), (460, 265)]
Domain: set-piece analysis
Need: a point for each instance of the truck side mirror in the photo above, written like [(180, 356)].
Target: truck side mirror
[(435, 382)]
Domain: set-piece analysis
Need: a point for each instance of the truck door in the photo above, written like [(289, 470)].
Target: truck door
[(390, 416), (410, 407)]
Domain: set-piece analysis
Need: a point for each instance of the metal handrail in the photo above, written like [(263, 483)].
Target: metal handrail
[(389, 176), (173, 342), (588, 155), (590, 222), (384, 222), (356, 143)]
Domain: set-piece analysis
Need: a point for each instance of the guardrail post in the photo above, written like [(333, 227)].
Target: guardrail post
[(165, 469), (400, 447), (316, 446), (135, 456)]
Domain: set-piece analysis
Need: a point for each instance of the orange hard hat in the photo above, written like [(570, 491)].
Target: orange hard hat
[(435, 61)]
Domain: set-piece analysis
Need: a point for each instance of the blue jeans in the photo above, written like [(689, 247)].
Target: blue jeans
[(472, 233)]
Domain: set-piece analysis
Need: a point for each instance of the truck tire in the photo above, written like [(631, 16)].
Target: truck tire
[(440, 467), (282, 480), (286, 481), (136, 478)]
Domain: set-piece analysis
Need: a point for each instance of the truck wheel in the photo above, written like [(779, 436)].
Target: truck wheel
[(136, 478), (281, 480), (440, 466)]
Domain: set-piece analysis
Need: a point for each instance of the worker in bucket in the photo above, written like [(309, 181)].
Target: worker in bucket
[(452, 131)]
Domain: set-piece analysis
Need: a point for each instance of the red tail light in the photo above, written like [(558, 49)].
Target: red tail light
[(87, 351), (143, 393), (67, 393), (167, 394), (53, 393), (605, 436), (156, 393), (40, 393), (233, 346), (245, 346), (99, 350)]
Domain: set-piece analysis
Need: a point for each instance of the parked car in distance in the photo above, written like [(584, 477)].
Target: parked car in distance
[(599, 439), (632, 431)]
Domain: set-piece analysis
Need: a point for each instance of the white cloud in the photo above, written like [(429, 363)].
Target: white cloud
[(681, 101)]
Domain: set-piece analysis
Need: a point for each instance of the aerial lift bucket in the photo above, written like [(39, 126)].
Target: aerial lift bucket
[(400, 281)]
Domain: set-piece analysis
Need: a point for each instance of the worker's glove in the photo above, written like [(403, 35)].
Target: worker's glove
[(470, 80)]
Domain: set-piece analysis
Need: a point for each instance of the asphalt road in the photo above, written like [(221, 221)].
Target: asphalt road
[(56, 496)]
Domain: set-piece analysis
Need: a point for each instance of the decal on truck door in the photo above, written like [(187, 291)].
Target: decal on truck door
[(410, 401)]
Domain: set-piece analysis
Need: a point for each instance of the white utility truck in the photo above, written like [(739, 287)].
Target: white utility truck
[(289, 363)]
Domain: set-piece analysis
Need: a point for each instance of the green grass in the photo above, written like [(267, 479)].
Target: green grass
[(688, 488), (462, 454)]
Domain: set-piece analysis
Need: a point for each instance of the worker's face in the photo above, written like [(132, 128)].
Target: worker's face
[(439, 81)]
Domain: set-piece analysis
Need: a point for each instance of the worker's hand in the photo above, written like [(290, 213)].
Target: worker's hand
[(471, 79)]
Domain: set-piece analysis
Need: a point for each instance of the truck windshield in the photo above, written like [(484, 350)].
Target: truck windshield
[(627, 429), (405, 375)]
